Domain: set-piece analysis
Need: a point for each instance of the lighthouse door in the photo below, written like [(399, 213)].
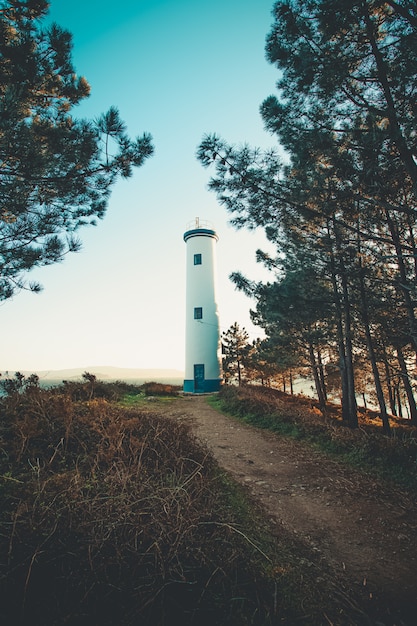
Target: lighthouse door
[(199, 378)]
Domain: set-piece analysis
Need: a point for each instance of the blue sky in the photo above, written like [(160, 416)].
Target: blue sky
[(177, 69)]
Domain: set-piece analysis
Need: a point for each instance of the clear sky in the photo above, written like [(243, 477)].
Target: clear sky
[(177, 69)]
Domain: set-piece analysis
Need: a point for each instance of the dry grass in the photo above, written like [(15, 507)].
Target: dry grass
[(115, 516), (393, 458), (160, 389)]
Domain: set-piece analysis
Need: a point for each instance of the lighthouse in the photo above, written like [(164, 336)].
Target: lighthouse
[(202, 335)]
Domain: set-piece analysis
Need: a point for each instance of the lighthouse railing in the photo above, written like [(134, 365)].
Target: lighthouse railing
[(198, 223)]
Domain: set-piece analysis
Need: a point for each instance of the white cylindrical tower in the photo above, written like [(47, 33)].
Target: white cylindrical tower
[(202, 334)]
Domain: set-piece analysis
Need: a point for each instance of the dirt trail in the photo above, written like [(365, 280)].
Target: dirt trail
[(366, 532)]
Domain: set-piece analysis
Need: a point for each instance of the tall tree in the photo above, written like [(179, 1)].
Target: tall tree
[(269, 362), (235, 348), (296, 313), (345, 113), (342, 63), (56, 171)]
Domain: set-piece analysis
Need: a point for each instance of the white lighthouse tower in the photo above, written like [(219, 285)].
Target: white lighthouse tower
[(202, 336)]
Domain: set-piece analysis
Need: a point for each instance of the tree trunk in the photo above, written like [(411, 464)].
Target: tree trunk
[(364, 400), (370, 346), (316, 377), (388, 375), (321, 374), (404, 285), (412, 242), (347, 334), (239, 372), (398, 400), (371, 353), (391, 394), (353, 414), (408, 389), (349, 413)]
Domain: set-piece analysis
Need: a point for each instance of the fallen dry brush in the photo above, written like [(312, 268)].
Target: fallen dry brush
[(114, 516)]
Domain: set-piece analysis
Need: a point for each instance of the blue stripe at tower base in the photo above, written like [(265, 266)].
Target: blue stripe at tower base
[(207, 386)]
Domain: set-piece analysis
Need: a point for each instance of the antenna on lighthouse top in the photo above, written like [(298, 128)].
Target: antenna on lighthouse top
[(199, 224)]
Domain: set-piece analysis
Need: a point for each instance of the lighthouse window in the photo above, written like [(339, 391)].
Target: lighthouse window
[(197, 259), (198, 313)]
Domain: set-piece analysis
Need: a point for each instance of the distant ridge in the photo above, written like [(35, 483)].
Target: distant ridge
[(103, 372)]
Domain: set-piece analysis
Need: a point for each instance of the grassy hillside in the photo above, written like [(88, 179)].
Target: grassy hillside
[(392, 458), (116, 516)]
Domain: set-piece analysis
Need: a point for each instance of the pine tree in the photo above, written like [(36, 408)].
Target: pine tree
[(56, 171), (345, 114), (235, 348)]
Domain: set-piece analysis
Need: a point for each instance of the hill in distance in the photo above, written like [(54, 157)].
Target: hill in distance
[(104, 372)]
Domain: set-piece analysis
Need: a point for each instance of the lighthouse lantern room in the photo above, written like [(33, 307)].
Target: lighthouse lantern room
[(202, 336)]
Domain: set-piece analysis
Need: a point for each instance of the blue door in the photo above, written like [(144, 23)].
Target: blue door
[(198, 378)]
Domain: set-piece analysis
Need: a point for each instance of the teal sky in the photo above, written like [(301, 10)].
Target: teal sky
[(177, 69)]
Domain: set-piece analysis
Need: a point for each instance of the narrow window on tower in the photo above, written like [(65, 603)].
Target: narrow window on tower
[(198, 313), (197, 259)]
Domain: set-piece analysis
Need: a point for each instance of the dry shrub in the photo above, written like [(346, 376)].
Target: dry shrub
[(160, 389), (262, 402), (114, 517), (392, 457), (90, 387), (244, 400)]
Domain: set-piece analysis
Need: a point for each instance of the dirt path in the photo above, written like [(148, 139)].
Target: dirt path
[(366, 532)]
